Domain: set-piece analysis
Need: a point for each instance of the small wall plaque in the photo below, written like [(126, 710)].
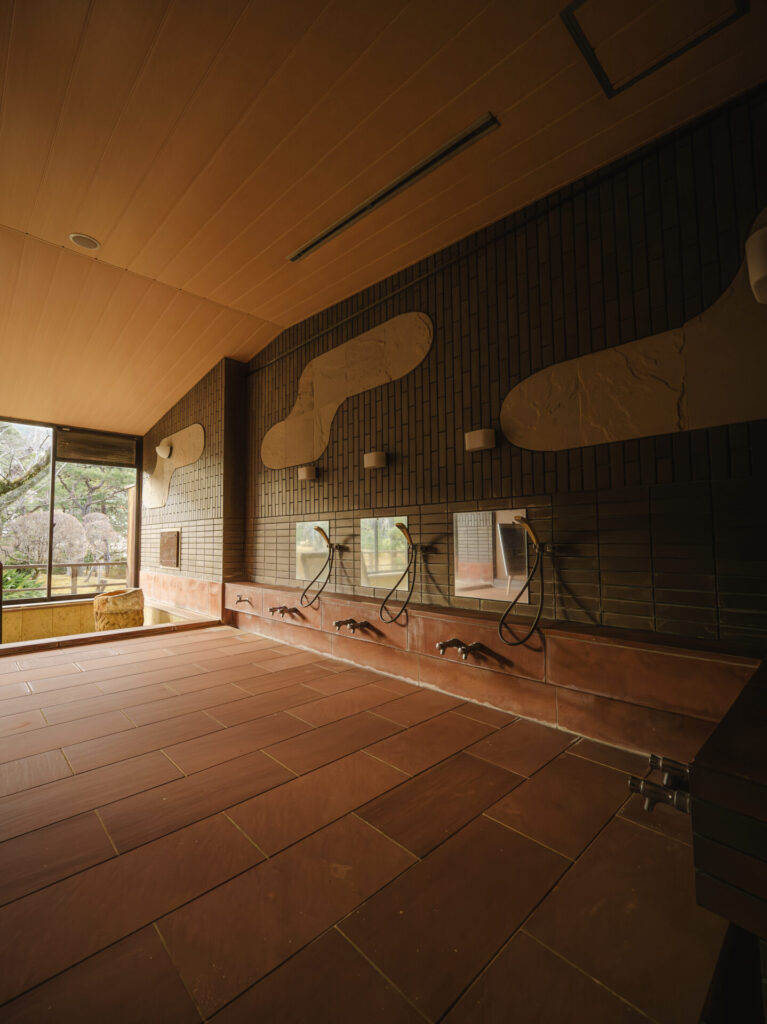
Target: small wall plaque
[(169, 548)]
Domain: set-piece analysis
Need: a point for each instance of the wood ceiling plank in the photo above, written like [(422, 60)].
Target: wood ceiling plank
[(518, 77), (114, 46), (264, 36), (408, 42), (197, 226), (45, 35), (657, 34), (180, 56), (58, 309), (720, 80)]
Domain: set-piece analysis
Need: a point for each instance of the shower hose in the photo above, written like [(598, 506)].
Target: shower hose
[(525, 587)]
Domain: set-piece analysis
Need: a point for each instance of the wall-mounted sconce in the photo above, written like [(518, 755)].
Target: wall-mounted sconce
[(374, 460), (164, 451), (307, 472), (479, 440)]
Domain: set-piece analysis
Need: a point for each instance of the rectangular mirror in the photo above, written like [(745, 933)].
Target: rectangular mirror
[(383, 552), (311, 549), (490, 555)]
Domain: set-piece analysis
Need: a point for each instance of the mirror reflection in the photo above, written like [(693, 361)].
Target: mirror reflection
[(490, 555), (311, 549), (383, 551)]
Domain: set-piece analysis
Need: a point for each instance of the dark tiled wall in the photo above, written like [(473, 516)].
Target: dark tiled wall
[(206, 499), (662, 533)]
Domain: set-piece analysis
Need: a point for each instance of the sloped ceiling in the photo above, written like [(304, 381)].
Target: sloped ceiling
[(203, 142)]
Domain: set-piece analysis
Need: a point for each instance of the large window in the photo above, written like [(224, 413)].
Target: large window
[(67, 502)]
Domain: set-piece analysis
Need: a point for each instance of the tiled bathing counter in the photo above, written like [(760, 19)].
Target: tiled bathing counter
[(637, 692)]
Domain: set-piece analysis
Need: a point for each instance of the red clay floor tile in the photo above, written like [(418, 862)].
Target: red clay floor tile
[(35, 808), (49, 854), (129, 983), (418, 706), (427, 809), (36, 770), (626, 915), (523, 746), (529, 984), (565, 804), (284, 815), (329, 742), (225, 941), (96, 753), (146, 816), (624, 760), (432, 930), (206, 751), (51, 930), (326, 983), (425, 744)]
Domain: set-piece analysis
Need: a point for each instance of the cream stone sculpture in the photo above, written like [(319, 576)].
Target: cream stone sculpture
[(383, 354), (173, 452), (707, 373)]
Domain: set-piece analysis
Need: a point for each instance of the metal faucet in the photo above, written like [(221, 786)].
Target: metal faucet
[(283, 610), (468, 649), (654, 793), (343, 622), (674, 790), (443, 645), (354, 625)]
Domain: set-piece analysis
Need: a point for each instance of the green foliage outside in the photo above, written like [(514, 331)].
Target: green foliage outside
[(90, 517)]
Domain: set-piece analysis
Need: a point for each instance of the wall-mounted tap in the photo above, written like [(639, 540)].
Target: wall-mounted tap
[(241, 597), (674, 790), (343, 622), (443, 645), (654, 793), (675, 773), (283, 610), (468, 649), (354, 625)]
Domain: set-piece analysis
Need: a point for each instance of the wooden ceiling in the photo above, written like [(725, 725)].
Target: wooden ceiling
[(203, 142)]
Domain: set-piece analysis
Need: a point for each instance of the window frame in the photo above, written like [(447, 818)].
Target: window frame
[(137, 465)]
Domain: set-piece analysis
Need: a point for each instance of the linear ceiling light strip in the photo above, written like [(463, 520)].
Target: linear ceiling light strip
[(474, 132)]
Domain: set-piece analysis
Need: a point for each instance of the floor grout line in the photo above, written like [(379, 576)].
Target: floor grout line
[(378, 970)]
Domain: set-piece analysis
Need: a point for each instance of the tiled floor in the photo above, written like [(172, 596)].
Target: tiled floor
[(213, 826)]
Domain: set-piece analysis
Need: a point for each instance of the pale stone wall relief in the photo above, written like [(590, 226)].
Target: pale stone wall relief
[(707, 373), (383, 354), (181, 449)]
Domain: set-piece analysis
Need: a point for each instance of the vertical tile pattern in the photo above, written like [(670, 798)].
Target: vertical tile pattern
[(647, 533)]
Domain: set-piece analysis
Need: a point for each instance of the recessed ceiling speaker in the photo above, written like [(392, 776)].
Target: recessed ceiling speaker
[(84, 241)]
